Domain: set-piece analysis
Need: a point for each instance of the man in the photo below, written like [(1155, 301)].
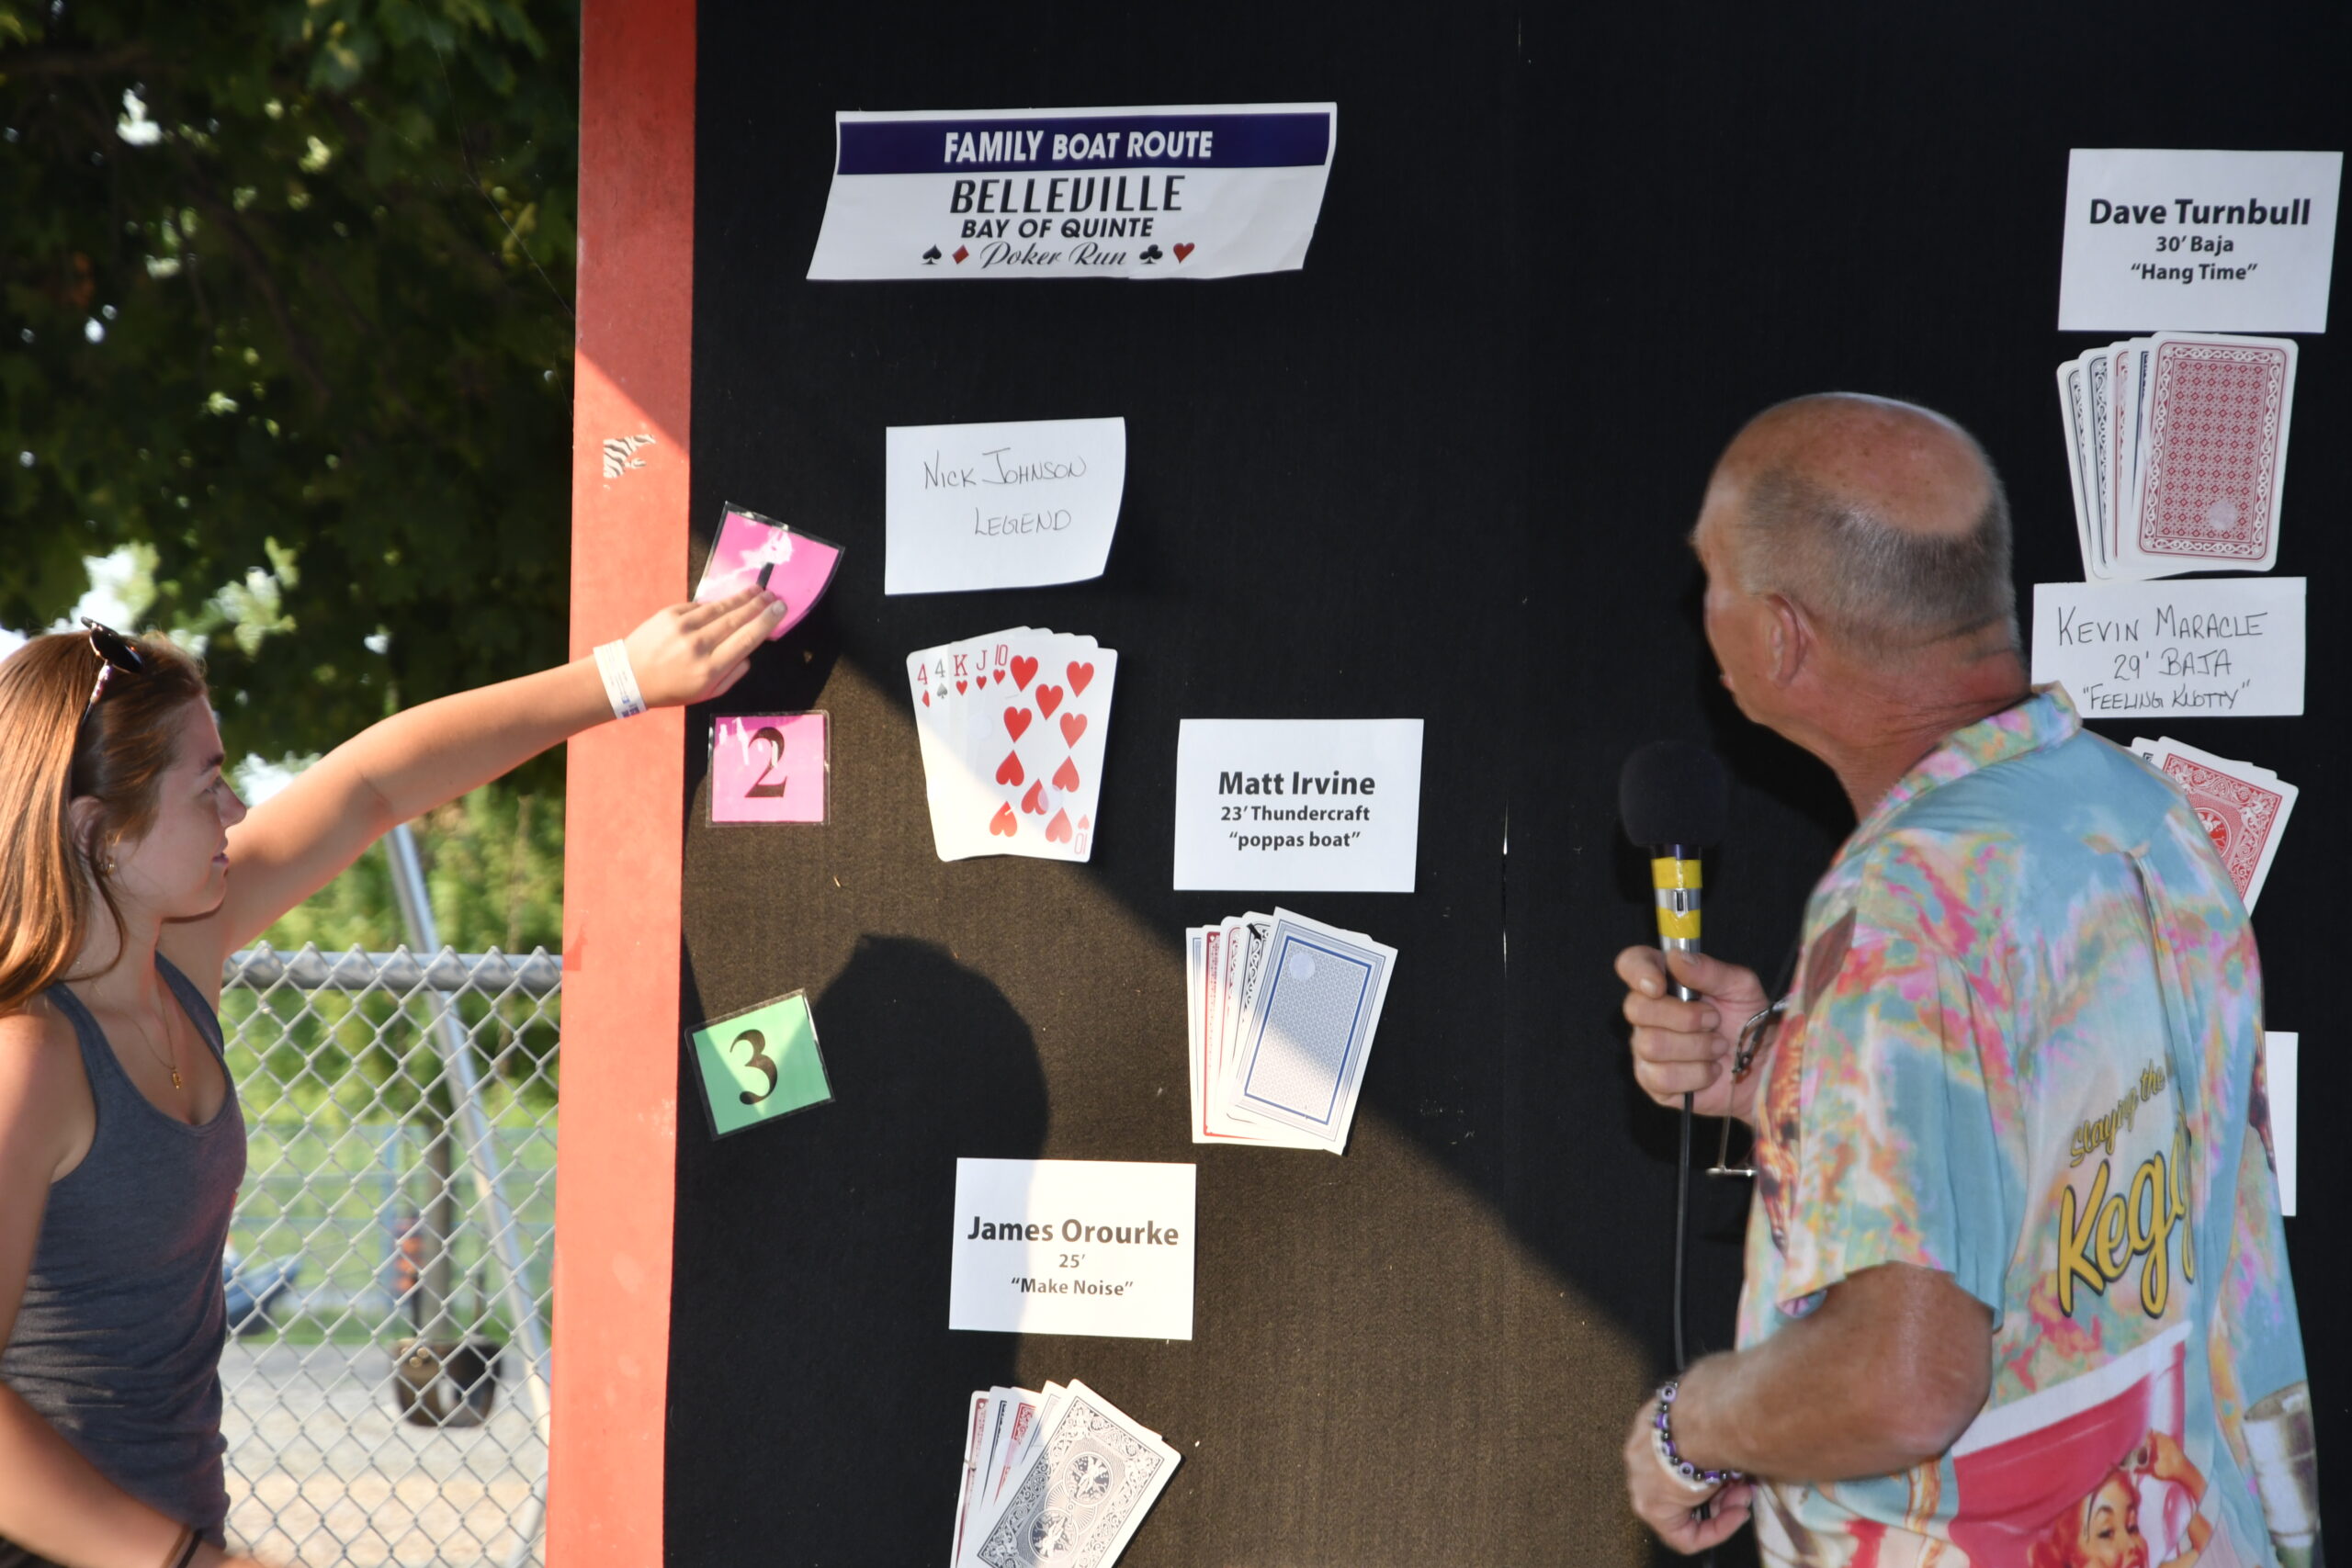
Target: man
[(2015, 1274)]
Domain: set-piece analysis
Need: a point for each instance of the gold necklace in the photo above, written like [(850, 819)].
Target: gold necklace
[(171, 1060)]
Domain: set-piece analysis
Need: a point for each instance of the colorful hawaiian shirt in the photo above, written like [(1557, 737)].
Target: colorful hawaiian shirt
[(2025, 1049)]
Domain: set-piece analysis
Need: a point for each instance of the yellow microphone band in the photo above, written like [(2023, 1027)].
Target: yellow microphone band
[(1667, 872), (1682, 926)]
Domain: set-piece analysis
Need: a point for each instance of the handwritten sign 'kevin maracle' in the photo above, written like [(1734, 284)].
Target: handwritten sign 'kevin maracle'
[(2218, 648)]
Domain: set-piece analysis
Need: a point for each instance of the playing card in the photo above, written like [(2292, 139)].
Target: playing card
[(2244, 808), (1196, 986), (996, 1469), (2153, 750), (1084, 1492), (2123, 450), (1049, 1404), (975, 1424), (994, 1444), (2098, 408), (1307, 1030), (2076, 421), (755, 550), (2215, 452), (1050, 1407), (947, 787)]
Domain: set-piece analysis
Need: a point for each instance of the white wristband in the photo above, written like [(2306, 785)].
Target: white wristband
[(620, 680)]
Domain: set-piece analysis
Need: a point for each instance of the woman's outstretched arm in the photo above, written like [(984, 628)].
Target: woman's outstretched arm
[(299, 839)]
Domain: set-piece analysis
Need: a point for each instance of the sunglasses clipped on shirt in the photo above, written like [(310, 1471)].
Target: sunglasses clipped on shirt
[(115, 652)]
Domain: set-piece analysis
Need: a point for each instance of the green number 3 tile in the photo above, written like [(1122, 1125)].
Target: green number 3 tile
[(759, 1064)]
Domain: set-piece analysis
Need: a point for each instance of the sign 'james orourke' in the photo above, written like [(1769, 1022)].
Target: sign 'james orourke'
[(1202, 191), (1072, 1246)]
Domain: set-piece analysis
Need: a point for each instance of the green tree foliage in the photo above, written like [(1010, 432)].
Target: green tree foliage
[(283, 328), (283, 292)]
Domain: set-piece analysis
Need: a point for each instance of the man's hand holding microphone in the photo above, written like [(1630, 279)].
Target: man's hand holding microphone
[(1686, 1048)]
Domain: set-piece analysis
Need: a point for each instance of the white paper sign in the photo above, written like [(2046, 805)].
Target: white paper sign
[(2209, 242), (1014, 505), (1299, 805), (2220, 648), (2280, 1053), (1199, 191), (1072, 1246)]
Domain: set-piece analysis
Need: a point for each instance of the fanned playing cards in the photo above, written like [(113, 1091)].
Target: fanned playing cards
[(1013, 726), (1281, 1011), (2176, 443), (2244, 808), (1060, 1476)]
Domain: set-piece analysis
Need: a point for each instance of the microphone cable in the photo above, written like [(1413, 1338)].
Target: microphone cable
[(1682, 1167)]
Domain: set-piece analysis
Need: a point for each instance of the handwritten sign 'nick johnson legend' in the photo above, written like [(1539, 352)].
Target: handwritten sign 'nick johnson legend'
[(1204, 191)]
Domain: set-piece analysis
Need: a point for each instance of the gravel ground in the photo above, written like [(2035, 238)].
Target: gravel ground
[(323, 1472)]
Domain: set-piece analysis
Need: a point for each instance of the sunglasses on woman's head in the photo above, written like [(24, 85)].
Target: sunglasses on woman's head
[(115, 652)]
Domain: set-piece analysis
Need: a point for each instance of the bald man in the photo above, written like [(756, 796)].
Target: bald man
[(2015, 1280)]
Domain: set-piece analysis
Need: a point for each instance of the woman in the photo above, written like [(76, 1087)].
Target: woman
[(2143, 1513), (129, 872)]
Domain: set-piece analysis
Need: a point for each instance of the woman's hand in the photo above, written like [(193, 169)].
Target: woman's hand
[(2163, 1457), (692, 652)]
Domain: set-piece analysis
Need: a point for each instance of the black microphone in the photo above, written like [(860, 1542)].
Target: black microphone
[(1672, 797)]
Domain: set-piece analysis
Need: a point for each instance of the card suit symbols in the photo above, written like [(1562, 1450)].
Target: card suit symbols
[(1073, 726), (931, 256), (959, 688), (960, 253), (1035, 801), (1048, 699), (1005, 823), (1016, 722), (926, 699), (1080, 676), (1183, 250), (1024, 669), (1057, 831), (1065, 776), (1084, 823), (997, 676), (1150, 255), (1009, 770)]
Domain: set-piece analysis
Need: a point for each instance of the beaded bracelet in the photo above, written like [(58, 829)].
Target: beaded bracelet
[(1673, 1457)]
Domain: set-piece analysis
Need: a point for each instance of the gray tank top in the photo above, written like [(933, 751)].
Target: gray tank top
[(117, 1342)]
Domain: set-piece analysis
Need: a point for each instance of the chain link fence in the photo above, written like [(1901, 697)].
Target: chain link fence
[(385, 1383)]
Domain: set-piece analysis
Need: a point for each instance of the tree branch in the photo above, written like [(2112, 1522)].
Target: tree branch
[(297, 345), (53, 63)]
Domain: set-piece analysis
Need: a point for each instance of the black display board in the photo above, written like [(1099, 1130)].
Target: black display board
[(1444, 472)]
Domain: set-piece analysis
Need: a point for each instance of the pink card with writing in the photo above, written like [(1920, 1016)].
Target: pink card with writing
[(769, 768), (753, 551)]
